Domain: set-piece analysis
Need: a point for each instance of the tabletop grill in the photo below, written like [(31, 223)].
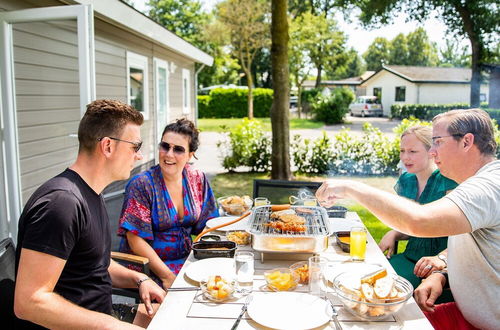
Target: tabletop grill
[(267, 239)]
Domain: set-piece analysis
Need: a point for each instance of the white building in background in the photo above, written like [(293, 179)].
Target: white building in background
[(420, 85)]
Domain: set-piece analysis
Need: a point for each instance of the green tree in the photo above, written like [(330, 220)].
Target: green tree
[(280, 158), (378, 53), (452, 55), (421, 51), (399, 51), (249, 32), (185, 18), (348, 64), (323, 41), (476, 20)]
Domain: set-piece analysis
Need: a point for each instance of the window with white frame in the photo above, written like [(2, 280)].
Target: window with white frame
[(186, 91), (161, 95), (137, 83)]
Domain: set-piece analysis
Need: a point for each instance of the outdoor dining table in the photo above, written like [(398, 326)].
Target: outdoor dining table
[(191, 310)]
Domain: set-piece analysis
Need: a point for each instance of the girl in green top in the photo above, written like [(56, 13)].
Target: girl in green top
[(423, 183)]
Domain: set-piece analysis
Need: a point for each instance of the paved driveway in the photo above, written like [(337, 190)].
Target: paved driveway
[(209, 156)]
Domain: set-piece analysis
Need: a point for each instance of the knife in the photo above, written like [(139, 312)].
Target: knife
[(187, 288), (243, 310), (335, 316)]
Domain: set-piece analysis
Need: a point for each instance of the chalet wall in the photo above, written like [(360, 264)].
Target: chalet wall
[(47, 88)]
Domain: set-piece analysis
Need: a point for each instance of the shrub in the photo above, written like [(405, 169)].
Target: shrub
[(312, 156), (204, 110), (428, 111), (246, 145), (332, 109), (308, 97), (233, 103)]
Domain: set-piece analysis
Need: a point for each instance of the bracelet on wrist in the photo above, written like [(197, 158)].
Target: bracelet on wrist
[(142, 280)]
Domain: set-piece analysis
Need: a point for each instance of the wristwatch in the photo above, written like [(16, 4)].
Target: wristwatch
[(444, 258)]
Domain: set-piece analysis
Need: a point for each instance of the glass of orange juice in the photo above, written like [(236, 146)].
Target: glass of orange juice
[(358, 243)]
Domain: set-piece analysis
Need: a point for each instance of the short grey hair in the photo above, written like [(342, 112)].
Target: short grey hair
[(475, 121)]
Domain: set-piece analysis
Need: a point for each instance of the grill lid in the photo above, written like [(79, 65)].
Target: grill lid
[(316, 223)]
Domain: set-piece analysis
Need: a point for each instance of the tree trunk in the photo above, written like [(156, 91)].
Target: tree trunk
[(280, 112), (318, 77), (477, 53), (250, 95)]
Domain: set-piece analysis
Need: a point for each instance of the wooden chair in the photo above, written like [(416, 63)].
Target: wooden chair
[(279, 191), (134, 262)]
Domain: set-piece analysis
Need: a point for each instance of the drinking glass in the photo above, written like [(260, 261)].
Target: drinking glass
[(259, 201), (317, 267), (311, 201), (358, 243), (244, 269)]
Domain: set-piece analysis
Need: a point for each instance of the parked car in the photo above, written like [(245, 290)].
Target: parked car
[(366, 106)]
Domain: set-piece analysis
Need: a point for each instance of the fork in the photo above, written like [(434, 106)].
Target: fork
[(335, 316), (243, 310)]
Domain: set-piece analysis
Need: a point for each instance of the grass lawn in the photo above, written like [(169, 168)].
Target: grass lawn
[(225, 124), (242, 184)]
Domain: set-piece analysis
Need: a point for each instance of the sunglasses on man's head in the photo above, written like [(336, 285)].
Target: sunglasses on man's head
[(165, 147)]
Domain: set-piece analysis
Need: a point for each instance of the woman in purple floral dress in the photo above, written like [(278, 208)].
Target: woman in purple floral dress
[(167, 204)]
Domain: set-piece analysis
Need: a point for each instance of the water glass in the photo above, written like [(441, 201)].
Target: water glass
[(244, 269), (260, 201), (317, 267), (358, 243)]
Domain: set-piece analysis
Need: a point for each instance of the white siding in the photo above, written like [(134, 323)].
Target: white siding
[(47, 88), (388, 82), (47, 97)]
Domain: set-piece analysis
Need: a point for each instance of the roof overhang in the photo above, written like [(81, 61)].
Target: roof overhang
[(124, 16), (416, 81)]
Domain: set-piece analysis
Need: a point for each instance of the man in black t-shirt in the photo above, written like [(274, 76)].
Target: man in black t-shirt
[(63, 265)]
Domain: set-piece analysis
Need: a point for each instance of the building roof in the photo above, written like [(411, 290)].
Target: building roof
[(347, 81), (119, 13), (423, 74)]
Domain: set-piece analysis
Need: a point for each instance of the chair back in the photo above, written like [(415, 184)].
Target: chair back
[(279, 191), (7, 259)]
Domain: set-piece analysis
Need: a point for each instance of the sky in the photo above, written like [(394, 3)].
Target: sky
[(358, 37)]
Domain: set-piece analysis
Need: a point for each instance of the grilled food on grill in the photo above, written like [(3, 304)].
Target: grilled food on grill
[(287, 220)]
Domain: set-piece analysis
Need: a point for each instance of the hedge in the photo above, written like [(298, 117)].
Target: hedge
[(428, 111), (233, 103)]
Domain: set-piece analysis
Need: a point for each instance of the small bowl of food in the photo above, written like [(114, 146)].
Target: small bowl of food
[(344, 240), (301, 269), (373, 296), (217, 288), (210, 238), (235, 205), (239, 237), (281, 279)]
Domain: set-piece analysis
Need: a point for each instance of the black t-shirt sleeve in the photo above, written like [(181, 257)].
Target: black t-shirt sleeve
[(54, 224)]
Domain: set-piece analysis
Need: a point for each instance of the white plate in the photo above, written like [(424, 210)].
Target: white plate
[(240, 225), (339, 224), (202, 269), (289, 310)]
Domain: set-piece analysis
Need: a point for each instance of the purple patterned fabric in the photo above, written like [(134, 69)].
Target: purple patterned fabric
[(149, 213)]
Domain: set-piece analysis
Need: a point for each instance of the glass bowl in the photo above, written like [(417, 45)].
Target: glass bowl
[(235, 205), (375, 309), (301, 270), (217, 288), (281, 279)]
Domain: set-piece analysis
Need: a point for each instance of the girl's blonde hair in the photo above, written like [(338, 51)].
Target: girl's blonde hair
[(423, 133)]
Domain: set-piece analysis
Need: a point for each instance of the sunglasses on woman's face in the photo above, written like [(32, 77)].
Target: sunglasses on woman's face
[(165, 147)]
